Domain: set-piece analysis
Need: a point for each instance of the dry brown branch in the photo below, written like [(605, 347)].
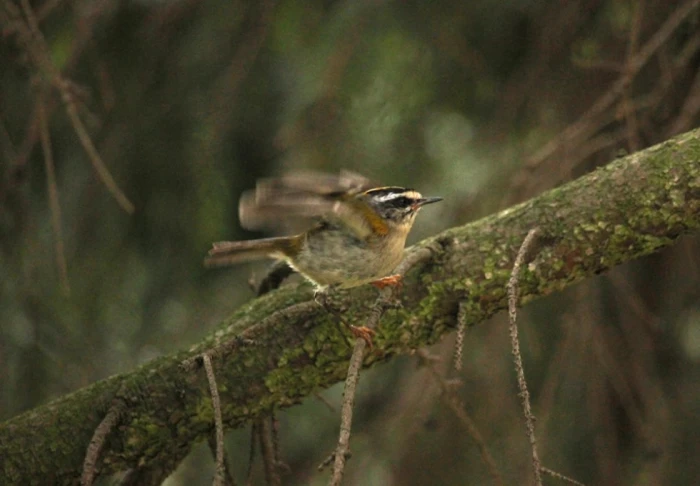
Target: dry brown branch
[(228, 478), (31, 37), (453, 402), (227, 87), (513, 289), (97, 442), (560, 23), (325, 401), (343, 448), (583, 128), (251, 451), (269, 454), (42, 13), (93, 155), (220, 475), (562, 366), (689, 110), (561, 477), (513, 297), (459, 340), (615, 373), (626, 104), (54, 203)]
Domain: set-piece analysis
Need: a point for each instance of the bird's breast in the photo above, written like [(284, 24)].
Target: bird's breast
[(336, 257)]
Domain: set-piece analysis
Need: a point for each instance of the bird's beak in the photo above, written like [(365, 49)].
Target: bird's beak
[(428, 200)]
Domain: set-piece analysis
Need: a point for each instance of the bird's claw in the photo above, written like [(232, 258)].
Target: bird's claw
[(364, 333), (389, 281)]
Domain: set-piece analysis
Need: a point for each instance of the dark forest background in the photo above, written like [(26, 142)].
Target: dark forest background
[(486, 103)]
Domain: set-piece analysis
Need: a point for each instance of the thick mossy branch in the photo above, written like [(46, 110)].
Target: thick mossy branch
[(279, 348)]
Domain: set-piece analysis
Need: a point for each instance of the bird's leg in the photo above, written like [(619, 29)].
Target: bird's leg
[(322, 298), (364, 333), (389, 281)]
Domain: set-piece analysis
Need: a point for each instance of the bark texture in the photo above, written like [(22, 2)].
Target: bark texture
[(279, 348)]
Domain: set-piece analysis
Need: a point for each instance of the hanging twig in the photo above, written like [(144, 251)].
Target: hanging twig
[(220, 475), (513, 296)]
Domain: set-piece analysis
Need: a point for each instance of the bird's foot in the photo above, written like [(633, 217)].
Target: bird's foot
[(364, 333), (389, 281)]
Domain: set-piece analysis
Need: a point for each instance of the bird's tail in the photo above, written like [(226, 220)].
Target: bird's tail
[(225, 253)]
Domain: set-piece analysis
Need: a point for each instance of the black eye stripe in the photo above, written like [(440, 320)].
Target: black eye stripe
[(398, 202), (403, 202)]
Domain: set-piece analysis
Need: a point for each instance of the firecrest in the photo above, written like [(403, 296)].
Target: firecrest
[(357, 235)]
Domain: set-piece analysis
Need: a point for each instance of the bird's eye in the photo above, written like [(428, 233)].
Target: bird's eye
[(402, 201)]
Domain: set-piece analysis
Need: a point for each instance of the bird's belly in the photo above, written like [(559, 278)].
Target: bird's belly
[(331, 259)]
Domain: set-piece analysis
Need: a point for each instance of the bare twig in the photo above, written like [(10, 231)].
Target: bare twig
[(626, 104), (220, 475), (561, 477), (689, 109), (267, 444), (324, 401), (251, 452), (584, 127), (459, 340), (97, 442), (228, 85), (228, 478), (513, 297), (54, 203), (37, 47), (93, 155), (275, 427), (458, 409), (343, 448)]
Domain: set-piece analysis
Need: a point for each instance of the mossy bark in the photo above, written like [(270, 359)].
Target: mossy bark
[(279, 348)]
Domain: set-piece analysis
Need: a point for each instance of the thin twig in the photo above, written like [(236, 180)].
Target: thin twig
[(39, 49), (351, 380), (275, 426), (583, 127), (220, 475), (513, 297), (626, 104), (561, 477), (342, 450), (54, 203), (267, 444), (97, 442), (689, 109), (251, 452), (228, 478), (93, 155), (325, 401), (459, 340)]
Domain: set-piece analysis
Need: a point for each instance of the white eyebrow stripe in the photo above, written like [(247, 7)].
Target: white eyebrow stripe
[(395, 195)]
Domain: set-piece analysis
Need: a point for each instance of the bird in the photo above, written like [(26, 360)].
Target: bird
[(354, 231)]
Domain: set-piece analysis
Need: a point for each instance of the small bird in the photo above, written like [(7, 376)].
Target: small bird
[(357, 231)]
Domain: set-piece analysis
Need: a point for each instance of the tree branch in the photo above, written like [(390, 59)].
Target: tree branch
[(280, 348)]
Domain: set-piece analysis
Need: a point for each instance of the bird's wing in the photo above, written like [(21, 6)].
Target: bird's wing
[(299, 200)]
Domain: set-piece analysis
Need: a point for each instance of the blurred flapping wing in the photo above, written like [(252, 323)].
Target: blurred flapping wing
[(296, 201)]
